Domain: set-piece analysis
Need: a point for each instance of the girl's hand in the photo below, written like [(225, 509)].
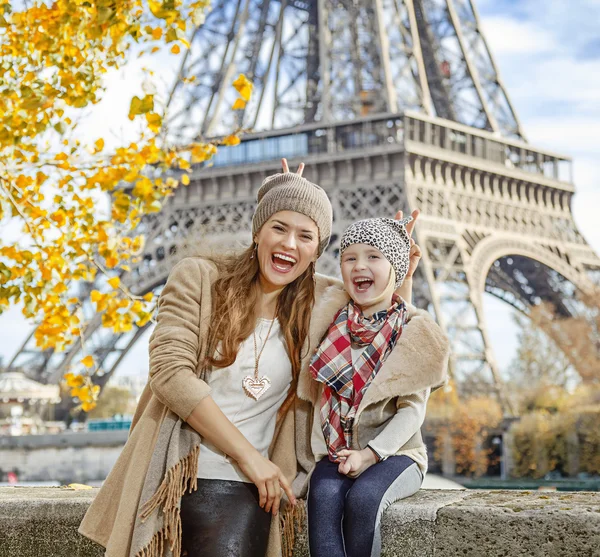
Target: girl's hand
[(269, 480), (354, 463), (286, 168), (415, 250)]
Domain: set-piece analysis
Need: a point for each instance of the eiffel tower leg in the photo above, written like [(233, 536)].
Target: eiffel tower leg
[(459, 310)]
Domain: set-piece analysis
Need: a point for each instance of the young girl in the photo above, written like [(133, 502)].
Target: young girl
[(375, 369)]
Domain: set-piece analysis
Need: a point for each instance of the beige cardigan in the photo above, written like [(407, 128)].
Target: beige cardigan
[(177, 344), (418, 362)]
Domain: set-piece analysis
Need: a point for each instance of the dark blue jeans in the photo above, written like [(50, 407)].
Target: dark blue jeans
[(344, 514)]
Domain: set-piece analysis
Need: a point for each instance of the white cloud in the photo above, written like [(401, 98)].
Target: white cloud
[(574, 135), (510, 36)]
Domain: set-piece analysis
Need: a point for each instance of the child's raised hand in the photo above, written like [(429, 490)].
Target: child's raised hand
[(415, 250), (410, 226), (285, 167), (354, 463)]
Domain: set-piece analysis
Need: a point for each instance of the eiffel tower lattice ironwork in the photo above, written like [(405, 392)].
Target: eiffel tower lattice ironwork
[(392, 104)]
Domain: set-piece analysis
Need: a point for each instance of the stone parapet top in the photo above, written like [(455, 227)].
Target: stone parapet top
[(42, 522)]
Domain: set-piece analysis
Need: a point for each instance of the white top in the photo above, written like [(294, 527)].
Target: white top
[(254, 418)]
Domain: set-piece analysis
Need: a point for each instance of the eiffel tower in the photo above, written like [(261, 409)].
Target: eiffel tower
[(392, 104)]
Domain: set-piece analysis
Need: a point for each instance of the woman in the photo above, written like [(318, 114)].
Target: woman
[(213, 434)]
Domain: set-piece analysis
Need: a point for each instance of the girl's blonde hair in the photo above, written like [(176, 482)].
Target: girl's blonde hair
[(235, 294)]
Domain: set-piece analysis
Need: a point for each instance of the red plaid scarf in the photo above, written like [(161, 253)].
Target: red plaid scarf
[(345, 382)]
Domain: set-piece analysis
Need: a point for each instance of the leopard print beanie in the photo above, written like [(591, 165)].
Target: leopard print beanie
[(389, 236)]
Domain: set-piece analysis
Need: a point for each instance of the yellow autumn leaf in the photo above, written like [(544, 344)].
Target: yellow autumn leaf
[(114, 282), (88, 361), (74, 380), (185, 179), (175, 49), (96, 295), (87, 406), (202, 152), (243, 86), (83, 393), (239, 104), (141, 106), (231, 140), (79, 486), (154, 121)]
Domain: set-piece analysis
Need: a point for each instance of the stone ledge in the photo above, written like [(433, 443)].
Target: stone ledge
[(42, 522)]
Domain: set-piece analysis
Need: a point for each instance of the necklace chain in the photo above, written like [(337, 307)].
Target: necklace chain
[(257, 357)]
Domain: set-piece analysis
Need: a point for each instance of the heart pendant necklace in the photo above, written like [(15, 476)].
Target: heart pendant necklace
[(255, 387)]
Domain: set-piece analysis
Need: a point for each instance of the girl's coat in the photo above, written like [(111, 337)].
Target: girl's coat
[(419, 361)]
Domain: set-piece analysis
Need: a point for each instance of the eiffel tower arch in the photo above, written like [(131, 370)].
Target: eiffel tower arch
[(392, 104)]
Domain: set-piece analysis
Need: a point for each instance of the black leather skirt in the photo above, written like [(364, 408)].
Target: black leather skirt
[(222, 519)]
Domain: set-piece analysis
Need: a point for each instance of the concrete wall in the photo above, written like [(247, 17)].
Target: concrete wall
[(42, 522), (65, 457)]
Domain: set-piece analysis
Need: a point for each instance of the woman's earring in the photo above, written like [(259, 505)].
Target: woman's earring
[(254, 251)]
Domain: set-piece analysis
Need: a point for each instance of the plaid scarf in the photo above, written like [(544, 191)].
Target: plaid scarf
[(345, 382)]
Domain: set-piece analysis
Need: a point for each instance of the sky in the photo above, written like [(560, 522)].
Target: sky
[(548, 55)]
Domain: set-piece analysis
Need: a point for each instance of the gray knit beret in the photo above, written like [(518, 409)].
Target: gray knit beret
[(291, 192), (389, 236)]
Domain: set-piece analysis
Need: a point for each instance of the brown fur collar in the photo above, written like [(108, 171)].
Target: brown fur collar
[(418, 361)]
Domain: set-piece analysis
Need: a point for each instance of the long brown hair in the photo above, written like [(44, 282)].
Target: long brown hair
[(235, 294)]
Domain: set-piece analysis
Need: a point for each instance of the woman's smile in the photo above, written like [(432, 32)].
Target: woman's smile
[(283, 262)]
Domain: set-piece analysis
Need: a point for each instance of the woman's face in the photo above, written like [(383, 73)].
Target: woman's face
[(368, 277), (287, 243)]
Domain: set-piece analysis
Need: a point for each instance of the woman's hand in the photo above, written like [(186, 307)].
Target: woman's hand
[(269, 480), (286, 168), (355, 462), (415, 250)]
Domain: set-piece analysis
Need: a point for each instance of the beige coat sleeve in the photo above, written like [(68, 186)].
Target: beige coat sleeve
[(174, 342), (408, 420)]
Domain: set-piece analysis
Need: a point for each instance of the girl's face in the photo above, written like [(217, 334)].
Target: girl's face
[(287, 243), (368, 277)]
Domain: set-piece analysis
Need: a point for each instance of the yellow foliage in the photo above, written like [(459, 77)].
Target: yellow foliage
[(239, 104), (56, 55), (466, 424)]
